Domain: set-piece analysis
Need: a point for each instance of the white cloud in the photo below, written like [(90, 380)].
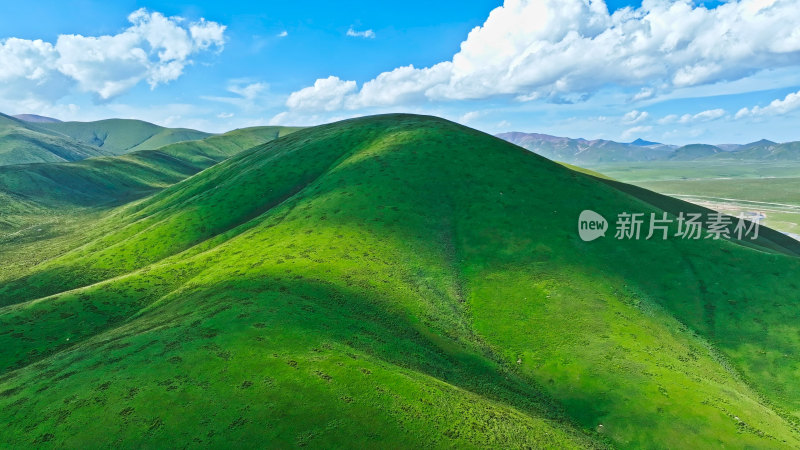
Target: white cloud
[(672, 118), (283, 34), (709, 115), (635, 131), (776, 107), (635, 117), (469, 116), (703, 116), (249, 96), (565, 50), (367, 34), (644, 94), (327, 94), (154, 49)]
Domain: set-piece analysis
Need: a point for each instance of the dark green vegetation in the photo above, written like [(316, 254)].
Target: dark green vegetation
[(394, 281), (24, 141)]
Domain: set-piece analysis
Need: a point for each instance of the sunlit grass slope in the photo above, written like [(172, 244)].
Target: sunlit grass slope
[(396, 281), (95, 181), (23, 142), (118, 136)]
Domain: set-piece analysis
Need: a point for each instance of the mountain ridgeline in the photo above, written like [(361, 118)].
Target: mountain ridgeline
[(394, 281), (28, 190), (599, 151), (31, 139)]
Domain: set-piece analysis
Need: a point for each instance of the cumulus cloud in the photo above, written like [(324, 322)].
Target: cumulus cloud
[(564, 50), (154, 49), (776, 107), (327, 94), (703, 116), (635, 117), (367, 34), (283, 34), (711, 114)]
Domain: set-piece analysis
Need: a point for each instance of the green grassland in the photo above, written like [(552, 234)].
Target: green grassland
[(394, 281), (43, 203), (731, 186), (24, 142), (118, 136)]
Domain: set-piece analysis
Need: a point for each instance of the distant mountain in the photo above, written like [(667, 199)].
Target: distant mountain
[(695, 151), (118, 136), (599, 151), (35, 118), (111, 179), (765, 150), (33, 139), (582, 151), (26, 142), (642, 143)]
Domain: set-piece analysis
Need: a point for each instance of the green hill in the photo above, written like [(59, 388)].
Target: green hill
[(96, 181), (394, 281), (22, 142), (118, 136), (695, 151), (43, 195)]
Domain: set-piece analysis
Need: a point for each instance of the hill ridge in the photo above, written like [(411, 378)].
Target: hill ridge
[(341, 301)]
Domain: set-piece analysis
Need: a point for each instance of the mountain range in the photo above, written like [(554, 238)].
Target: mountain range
[(387, 281), (598, 151), (29, 139)]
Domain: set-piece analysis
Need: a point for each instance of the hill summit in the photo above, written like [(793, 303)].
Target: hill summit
[(395, 281)]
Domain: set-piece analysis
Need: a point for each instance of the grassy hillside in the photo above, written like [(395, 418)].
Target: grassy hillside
[(118, 136), (22, 142), (41, 199), (395, 281), (96, 181)]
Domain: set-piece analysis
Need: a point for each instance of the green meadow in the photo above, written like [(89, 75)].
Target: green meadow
[(730, 186), (389, 281)]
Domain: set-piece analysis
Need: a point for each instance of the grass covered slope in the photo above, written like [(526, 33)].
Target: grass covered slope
[(118, 136), (22, 142), (397, 281), (99, 181)]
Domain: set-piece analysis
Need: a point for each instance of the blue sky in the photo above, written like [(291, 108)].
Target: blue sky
[(715, 72)]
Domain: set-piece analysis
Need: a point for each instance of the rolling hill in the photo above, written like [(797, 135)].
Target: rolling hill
[(33, 139), (24, 142), (395, 281), (35, 118), (118, 136), (31, 189)]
